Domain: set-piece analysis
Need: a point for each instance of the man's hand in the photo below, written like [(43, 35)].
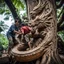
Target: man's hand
[(18, 32)]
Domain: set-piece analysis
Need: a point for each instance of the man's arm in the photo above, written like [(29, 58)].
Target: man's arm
[(18, 32), (14, 30)]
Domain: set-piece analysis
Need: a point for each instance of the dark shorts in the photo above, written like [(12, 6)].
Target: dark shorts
[(12, 41)]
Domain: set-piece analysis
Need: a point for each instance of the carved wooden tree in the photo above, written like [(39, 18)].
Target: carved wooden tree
[(42, 15), (42, 18)]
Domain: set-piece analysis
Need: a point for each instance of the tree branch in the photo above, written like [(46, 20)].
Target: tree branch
[(60, 4), (12, 8)]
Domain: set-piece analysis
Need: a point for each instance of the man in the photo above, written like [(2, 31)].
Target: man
[(11, 34)]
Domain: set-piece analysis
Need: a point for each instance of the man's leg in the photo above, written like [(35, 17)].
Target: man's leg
[(17, 38), (10, 43), (28, 40)]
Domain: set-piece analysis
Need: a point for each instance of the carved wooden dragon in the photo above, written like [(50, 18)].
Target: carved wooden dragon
[(43, 18)]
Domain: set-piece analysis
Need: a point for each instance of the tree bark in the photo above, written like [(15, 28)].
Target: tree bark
[(43, 11)]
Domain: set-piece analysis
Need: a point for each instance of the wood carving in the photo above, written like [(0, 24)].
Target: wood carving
[(43, 19)]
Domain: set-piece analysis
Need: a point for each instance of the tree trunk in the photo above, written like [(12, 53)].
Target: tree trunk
[(42, 15), (13, 11), (12, 8)]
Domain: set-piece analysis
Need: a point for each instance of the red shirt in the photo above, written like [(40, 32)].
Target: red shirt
[(25, 29)]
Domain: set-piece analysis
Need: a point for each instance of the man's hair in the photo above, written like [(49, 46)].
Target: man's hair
[(20, 22), (16, 20)]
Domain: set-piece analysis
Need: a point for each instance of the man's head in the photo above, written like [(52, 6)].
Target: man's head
[(17, 22)]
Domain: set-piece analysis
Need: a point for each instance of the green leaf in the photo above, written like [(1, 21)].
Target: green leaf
[(3, 41), (2, 11), (7, 13), (1, 23), (6, 18), (3, 26), (22, 5), (1, 29), (61, 35)]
